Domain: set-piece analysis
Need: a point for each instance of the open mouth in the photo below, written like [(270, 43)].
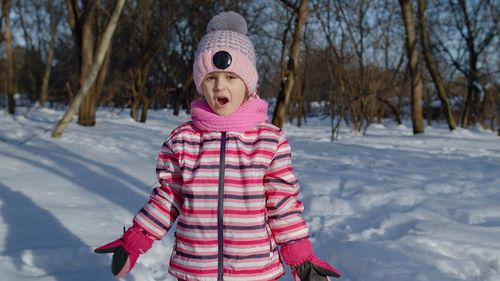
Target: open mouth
[(222, 100)]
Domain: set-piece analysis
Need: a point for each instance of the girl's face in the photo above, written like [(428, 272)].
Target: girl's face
[(224, 92)]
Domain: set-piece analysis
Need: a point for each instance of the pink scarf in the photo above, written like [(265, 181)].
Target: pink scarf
[(246, 117)]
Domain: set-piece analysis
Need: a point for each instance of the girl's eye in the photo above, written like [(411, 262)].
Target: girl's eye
[(210, 78), (230, 77)]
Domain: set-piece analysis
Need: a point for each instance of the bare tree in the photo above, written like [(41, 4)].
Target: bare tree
[(336, 66), (9, 88), (413, 67), (150, 22), (362, 97), (54, 14), (301, 95), (171, 69), (85, 24), (475, 46), (431, 66), (290, 76), (96, 65), (471, 31), (358, 84), (391, 96)]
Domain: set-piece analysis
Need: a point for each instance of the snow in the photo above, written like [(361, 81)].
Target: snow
[(385, 206)]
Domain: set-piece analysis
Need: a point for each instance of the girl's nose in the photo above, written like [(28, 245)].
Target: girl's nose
[(220, 83)]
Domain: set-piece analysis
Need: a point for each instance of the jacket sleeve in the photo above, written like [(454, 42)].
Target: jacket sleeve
[(282, 187), (165, 201)]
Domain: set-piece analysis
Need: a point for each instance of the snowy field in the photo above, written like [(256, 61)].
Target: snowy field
[(388, 206)]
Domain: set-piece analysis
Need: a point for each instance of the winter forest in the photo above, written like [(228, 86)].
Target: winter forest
[(359, 60), (392, 110)]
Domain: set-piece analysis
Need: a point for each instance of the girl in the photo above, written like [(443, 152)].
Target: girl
[(227, 178)]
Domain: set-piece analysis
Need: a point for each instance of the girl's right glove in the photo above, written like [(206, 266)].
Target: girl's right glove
[(126, 250), (305, 265)]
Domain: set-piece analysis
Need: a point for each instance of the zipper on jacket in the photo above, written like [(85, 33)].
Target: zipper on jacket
[(220, 209)]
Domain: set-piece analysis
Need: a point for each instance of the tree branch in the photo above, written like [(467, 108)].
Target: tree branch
[(290, 5)]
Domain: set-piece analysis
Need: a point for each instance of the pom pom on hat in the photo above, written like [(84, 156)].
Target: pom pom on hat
[(228, 21), (226, 40)]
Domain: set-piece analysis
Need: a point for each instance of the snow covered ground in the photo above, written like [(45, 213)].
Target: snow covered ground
[(386, 206)]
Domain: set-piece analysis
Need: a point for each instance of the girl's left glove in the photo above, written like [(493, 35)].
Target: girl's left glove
[(126, 250), (305, 265)]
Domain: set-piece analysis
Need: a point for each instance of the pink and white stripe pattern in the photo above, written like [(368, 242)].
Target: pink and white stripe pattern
[(260, 209)]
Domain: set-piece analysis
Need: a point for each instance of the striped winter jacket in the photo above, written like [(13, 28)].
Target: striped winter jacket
[(234, 195)]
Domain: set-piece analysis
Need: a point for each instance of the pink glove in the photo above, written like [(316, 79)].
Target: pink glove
[(126, 250), (305, 265)]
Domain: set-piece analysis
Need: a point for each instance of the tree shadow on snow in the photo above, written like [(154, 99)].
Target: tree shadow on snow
[(37, 226), (39, 245), (109, 182)]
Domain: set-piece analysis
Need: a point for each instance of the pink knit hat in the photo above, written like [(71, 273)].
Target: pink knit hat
[(226, 47)]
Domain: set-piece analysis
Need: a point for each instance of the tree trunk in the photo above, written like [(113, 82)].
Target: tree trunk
[(103, 73), (472, 101), (139, 76), (290, 76), (83, 25), (176, 100), (416, 80), (301, 95), (134, 106), (431, 66), (395, 111), (86, 113), (301, 113), (134, 102), (469, 103), (44, 94), (96, 66), (483, 107), (70, 92), (179, 100), (470, 110), (10, 58), (145, 106)]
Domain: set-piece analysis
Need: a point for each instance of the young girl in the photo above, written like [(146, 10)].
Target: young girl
[(227, 178)]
